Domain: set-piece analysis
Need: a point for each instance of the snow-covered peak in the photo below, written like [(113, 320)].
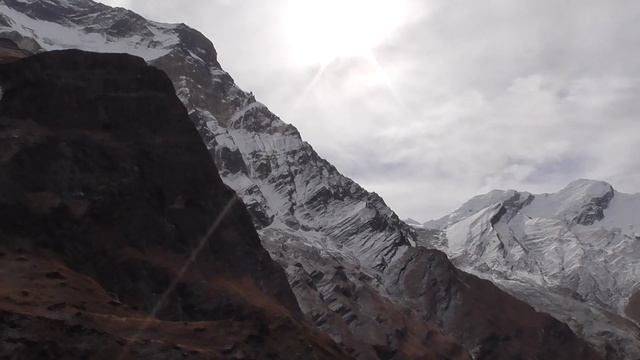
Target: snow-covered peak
[(479, 203), (580, 202), (586, 185), (581, 244), (86, 25)]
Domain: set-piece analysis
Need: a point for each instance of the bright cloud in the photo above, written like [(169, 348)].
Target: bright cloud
[(456, 99)]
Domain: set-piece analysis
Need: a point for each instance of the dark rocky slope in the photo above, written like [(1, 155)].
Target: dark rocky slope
[(491, 323), (10, 51), (117, 236)]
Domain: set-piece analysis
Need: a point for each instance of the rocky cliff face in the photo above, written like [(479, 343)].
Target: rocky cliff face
[(119, 239), (10, 51), (574, 254), (345, 252), (491, 323)]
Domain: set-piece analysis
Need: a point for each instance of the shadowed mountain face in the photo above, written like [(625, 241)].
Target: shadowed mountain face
[(9, 51), (353, 265), (117, 233)]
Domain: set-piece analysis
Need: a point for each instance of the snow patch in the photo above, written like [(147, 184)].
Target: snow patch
[(54, 36)]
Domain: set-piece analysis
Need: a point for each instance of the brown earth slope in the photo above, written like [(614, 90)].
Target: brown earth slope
[(117, 237), (492, 324)]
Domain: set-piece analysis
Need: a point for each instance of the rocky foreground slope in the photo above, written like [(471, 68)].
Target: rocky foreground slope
[(574, 254), (118, 239), (352, 264)]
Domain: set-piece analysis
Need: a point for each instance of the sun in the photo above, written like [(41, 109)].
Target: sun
[(320, 31)]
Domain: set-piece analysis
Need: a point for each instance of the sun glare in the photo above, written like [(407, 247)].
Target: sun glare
[(323, 30)]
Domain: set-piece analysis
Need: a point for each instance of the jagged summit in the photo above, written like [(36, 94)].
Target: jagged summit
[(88, 25), (581, 201)]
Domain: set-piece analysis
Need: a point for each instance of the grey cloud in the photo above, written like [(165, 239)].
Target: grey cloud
[(494, 94)]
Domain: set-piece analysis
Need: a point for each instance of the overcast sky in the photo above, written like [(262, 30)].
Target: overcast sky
[(457, 97)]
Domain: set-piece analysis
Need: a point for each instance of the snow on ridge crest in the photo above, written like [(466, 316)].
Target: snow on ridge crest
[(90, 31), (582, 201)]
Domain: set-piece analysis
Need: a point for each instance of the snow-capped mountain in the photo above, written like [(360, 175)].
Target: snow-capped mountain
[(280, 177), (574, 254), (351, 262)]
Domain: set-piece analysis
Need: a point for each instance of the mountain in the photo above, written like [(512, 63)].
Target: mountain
[(112, 245), (353, 265), (412, 222), (574, 254)]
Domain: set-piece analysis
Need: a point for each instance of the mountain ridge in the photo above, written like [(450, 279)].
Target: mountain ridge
[(572, 253)]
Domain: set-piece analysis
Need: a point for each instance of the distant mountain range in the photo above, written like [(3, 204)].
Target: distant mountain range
[(574, 254)]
